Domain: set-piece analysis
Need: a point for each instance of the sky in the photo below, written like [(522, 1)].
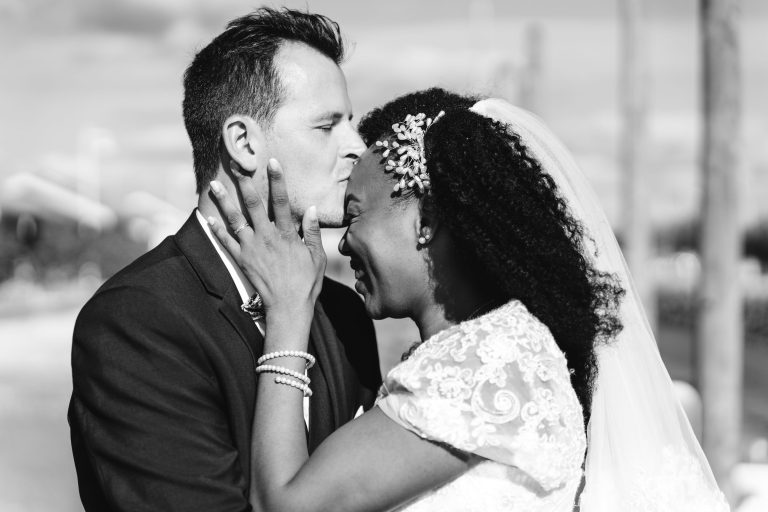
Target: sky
[(70, 69), (151, 16)]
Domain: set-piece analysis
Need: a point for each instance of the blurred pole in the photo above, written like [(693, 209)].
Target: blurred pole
[(633, 86), (482, 36), (720, 329), (530, 76)]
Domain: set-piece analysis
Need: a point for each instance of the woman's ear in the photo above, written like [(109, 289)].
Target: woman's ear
[(245, 142), (426, 228)]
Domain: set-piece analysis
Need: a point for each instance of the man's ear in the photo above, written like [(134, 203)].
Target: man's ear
[(245, 142)]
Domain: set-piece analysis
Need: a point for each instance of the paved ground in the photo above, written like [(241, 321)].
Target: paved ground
[(36, 471)]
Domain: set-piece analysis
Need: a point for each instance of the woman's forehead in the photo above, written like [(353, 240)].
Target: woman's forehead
[(369, 179)]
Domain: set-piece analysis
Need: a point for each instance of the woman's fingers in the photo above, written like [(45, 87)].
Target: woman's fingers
[(278, 196), (234, 218), (313, 239), (220, 232), (253, 203)]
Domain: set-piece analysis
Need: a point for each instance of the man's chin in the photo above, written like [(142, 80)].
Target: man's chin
[(330, 219)]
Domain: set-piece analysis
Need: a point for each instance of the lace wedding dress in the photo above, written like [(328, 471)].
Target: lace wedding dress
[(496, 387)]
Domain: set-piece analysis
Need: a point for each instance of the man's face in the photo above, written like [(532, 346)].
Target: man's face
[(312, 134)]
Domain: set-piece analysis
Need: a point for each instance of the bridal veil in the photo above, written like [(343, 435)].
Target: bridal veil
[(642, 454)]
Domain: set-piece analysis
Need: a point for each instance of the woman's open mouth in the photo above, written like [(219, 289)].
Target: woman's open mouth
[(360, 277)]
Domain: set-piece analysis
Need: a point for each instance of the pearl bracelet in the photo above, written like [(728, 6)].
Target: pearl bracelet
[(309, 358), (271, 368), (295, 384)]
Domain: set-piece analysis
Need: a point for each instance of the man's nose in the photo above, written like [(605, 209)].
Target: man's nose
[(354, 146)]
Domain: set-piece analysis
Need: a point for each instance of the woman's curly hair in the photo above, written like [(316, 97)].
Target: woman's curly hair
[(513, 235)]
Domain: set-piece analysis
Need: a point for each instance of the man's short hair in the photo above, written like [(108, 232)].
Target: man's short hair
[(235, 74)]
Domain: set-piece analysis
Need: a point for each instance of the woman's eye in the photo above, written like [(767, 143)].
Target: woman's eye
[(326, 128)]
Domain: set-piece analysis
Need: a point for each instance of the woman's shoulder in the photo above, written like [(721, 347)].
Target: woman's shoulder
[(496, 386)]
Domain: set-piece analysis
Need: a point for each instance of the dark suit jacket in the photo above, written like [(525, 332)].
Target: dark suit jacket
[(164, 386)]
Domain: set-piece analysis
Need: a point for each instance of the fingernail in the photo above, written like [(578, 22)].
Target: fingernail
[(211, 221), (312, 212), (216, 187), (273, 163)]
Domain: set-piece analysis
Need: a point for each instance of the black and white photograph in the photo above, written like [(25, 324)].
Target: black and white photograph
[(358, 256)]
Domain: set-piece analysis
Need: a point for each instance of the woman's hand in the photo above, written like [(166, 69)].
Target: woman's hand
[(286, 271)]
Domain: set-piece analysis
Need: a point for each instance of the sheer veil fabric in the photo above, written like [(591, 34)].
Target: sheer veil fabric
[(642, 454)]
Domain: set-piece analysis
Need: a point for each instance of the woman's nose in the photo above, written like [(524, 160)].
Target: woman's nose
[(343, 245)]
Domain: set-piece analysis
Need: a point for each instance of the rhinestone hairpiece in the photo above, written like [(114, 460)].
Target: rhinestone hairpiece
[(409, 160)]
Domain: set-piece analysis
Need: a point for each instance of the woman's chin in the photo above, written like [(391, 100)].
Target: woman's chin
[(372, 308)]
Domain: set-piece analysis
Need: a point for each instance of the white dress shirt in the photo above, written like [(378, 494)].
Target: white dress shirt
[(240, 287)]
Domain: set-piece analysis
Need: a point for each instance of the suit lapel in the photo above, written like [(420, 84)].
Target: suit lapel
[(207, 264), (242, 322), (326, 406)]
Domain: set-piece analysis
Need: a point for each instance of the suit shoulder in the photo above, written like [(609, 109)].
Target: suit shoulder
[(343, 305), (125, 305), (143, 288), (346, 311), (334, 292), (142, 268)]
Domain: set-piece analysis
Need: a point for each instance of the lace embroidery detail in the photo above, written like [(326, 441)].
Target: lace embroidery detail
[(497, 386)]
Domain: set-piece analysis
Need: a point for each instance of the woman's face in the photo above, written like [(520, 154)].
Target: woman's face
[(382, 242)]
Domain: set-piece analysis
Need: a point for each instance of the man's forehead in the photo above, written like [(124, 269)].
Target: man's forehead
[(292, 73), (306, 74)]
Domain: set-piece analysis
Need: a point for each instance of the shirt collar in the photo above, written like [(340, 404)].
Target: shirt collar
[(241, 290)]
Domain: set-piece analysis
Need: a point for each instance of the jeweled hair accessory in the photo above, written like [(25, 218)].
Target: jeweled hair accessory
[(411, 162)]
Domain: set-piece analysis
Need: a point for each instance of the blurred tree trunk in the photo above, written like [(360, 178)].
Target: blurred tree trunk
[(633, 87), (530, 77), (719, 324)]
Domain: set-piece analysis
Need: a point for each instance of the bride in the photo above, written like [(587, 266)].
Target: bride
[(536, 385)]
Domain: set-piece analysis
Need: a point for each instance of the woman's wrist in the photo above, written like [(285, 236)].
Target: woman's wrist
[(286, 331), (280, 316)]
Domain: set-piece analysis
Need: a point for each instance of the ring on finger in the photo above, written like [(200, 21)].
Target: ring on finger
[(241, 227)]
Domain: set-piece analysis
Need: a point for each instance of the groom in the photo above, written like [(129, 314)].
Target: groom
[(163, 357)]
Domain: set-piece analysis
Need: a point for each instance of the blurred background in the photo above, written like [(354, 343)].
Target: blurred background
[(96, 168)]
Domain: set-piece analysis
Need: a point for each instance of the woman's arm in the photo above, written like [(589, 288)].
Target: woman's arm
[(371, 463)]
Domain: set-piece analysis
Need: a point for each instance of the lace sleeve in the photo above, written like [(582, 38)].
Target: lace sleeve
[(498, 387)]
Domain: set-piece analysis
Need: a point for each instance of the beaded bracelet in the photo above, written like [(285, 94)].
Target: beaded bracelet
[(309, 358), (295, 384), (271, 368)]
